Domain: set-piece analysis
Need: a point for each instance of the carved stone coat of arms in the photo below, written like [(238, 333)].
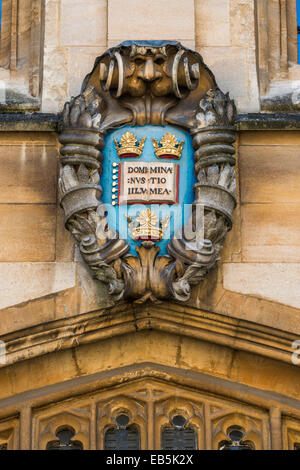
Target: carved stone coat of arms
[(147, 179)]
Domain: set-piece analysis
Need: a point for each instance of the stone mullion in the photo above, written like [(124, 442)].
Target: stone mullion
[(14, 36), (34, 65), (151, 437), (207, 427), (277, 40), (292, 37), (276, 428), (263, 45), (274, 38), (283, 38), (93, 427), (5, 32), (25, 428)]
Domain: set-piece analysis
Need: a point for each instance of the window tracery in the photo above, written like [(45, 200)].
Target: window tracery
[(64, 440), (63, 430), (148, 415), (233, 430), (236, 440), (180, 424), (291, 434), (9, 434), (122, 424), (124, 436)]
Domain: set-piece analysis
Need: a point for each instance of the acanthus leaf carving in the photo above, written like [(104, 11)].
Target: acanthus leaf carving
[(79, 183), (168, 84)]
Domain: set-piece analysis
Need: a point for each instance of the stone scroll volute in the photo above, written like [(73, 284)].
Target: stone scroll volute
[(148, 89)]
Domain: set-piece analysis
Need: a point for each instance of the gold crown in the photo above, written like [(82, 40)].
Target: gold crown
[(129, 146), (168, 147), (144, 226)]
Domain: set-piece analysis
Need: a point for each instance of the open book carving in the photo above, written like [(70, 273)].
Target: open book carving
[(148, 183)]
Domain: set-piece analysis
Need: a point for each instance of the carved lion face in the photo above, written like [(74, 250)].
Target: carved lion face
[(148, 73)]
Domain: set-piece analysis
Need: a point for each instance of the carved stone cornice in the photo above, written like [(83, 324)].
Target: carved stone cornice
[(158, 83), (171, 318)]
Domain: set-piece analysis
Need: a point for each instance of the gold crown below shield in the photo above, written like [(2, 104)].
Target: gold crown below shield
[(168, 147), (144, 226), (129, 145)]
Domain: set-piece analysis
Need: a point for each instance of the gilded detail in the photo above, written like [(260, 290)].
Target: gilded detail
[(168, 147), (129, 146), (144, 227)]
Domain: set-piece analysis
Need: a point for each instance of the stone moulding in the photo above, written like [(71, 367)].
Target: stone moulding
[(139, 83), (43, 122), (100, 325)]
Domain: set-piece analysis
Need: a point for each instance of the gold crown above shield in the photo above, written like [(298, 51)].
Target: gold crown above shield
[(169, 147), (144, 227), (129, 146)]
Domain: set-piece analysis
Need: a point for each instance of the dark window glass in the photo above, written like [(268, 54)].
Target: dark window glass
[(123, 437), (3, 446), (297, 446), (178, 437), (236, 434), (64, 442)]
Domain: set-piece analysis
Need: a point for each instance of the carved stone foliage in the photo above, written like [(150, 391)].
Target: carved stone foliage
[(139, 83)]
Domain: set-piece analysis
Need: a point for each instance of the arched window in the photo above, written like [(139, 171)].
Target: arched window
[(122, 437), (236, 440), (179, 436), (64, 440)]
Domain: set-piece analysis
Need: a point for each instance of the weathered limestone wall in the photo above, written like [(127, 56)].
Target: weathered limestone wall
[(48, 47), (222, 31), (151, 19), (270, 206), (37, 255), (259, 271), (225, 36), (75, 34)]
